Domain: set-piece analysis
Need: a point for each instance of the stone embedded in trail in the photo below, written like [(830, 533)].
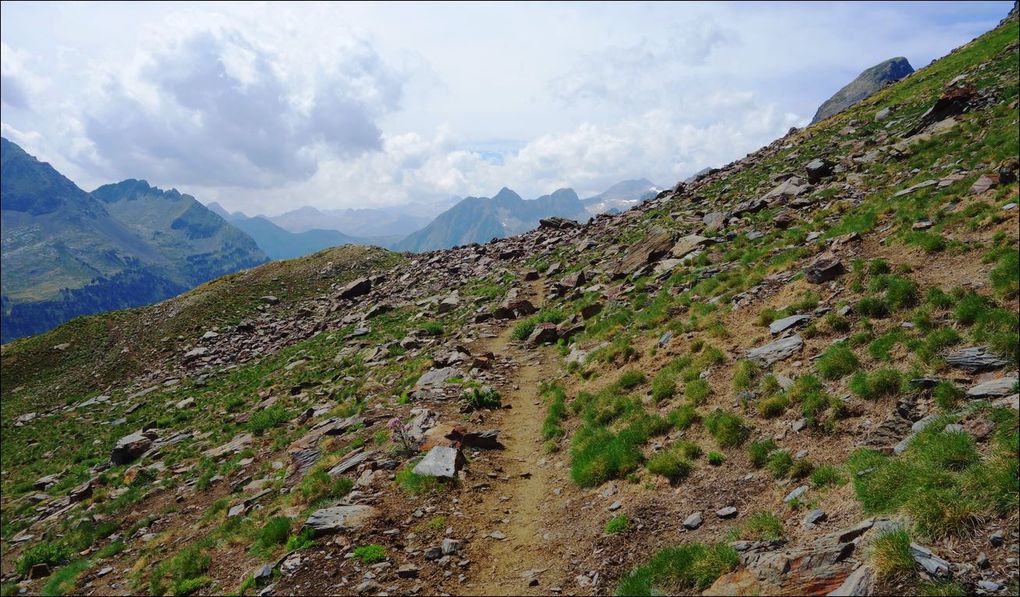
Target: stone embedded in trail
[(995, 388), (826, 267), (974, 359), (441, 461), (817, 169), (781, 325), (356, 288), (339, 518), (776, 351), (131, 446), (693, 521)]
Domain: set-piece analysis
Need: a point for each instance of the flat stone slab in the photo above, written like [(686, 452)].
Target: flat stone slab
[(438, 376), (974, 359), (995, 388), (781, 325), (339, 518), (776, 351), (796, 493), (352, 460), (441, 461)]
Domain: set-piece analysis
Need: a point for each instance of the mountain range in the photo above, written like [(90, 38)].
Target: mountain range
[(67, 252)]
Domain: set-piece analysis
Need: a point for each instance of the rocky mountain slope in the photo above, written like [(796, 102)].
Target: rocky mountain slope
[(866, 83), (795, 374), (68, 253)]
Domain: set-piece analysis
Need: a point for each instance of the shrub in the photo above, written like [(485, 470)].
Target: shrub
[(759, 451), (727, 428), (48, 552), (837, 361), (890, 555), (370, 554), (617, 524), (484, 397), (690, 567)]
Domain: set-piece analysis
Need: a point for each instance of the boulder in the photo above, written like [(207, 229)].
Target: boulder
[(656, 243), (339, 518), (441, 461), (557, 223), (356, 288), (823, 269), (688, 244), (131, 446), (544, 333), (817, 169)]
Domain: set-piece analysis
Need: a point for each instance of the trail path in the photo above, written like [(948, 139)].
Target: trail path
[(523, 502)]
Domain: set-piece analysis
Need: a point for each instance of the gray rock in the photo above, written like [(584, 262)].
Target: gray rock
[(974, 359), (795, 494), (693, 521), (438, 376), (781, 325), (544, 333), (817, 169), (352, 460), (441, 461), (995, 388), (776, 351), (615, 506), (823, 269), (339, 518), (931, 563), (449, 546), (814, 517), (356, 288), (727, 512), (988, 585), (860, 582), (408, 571), (131, 446)]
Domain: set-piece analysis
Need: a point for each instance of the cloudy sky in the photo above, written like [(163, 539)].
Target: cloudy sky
[(266, 107)]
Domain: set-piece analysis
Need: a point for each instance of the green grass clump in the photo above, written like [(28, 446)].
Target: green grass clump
[(900, 293), (890, 555), (630, 379), (871, 306), (762, 526), (186, 572), (552, 427), (617, 524), (744, 375), (773, 406), (837, 361), (670, 464), (779, 464), (941, 588), (758, 451), (1005, 277), (484, 397), (727, 428), (416, 484), (47, 552), (598, 455), (525, 327), (881, 383), (318, 486), (683, 417), (370, 554), (947, 395), (266, 419), (432, 328), (274, 533), (716, 458), (686, 568), (826, 475), (696, 391), (663, 386), (63, 580)]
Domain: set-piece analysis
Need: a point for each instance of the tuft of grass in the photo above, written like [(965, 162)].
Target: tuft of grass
[(879, 384), (826, 475), (940, 588), (416, 484), (773, 406), (890, 555), (696, 391), (685, 568), (264, 420), (744, 375), (274, 533), (482, 398), (663, 386), (617, 524), (630, 379), (716, 458), (727, 428), (318, 486), (63, 580), (47, 552), (762, 526), (758, 451), (552, 427), (871, 306), (670, 464), (370, 554), (837, 361), (683, 417)]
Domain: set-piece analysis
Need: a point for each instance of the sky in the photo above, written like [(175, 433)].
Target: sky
[(266, 107)]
